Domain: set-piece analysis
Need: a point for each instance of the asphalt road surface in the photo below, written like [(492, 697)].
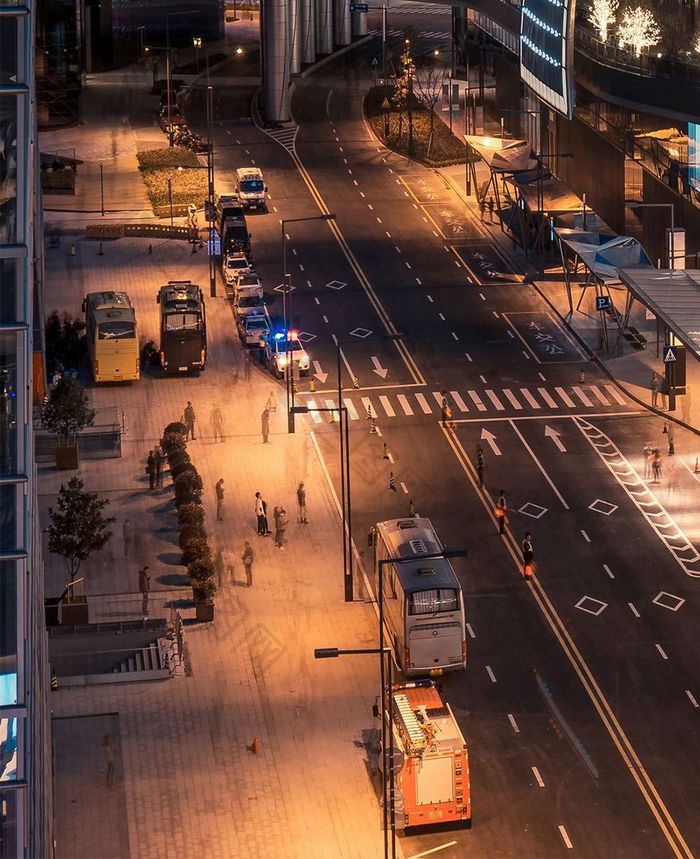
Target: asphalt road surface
[(580, 698)]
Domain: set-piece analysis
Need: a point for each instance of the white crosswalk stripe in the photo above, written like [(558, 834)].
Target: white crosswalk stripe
[(531, 401), (368, 408), (511, 399), (494, 399), (615, 395), (545, 396), (438, 397), (477, 401), (579, 393), (311, 404), (352, 411), (565, 397), (332, 416), (424, 404), (405, 405), (595, 390), (386, 405), (459, 402)]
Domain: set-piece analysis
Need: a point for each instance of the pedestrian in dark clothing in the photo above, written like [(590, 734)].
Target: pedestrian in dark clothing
[(261, 513), (144, 588), (265, 425), (281, 523), (480, 465), (220, 499), (654, 390), (151, 469), (528, 555), (656, 465), (247, 558), (501, 512), (159, 458), (490, 210), (127, 536), (482, 208), (671, 435), (216, 419), (301, 501), (189, 419)]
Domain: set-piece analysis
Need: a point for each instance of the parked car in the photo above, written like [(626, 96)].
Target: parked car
[(276, 353), (235, 265)]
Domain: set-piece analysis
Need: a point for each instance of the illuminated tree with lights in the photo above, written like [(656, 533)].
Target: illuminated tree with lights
[(638, 29), (602, 16)]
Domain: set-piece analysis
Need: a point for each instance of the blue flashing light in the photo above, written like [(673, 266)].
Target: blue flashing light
[(279, 335)]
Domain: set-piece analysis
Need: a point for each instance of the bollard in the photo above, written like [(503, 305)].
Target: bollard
[(355, 383), (71, 252), (392, 482), (312, 387), (582, 377), (373, 428), (386, 452), (150, 249), (255, 746), (100, 252), (696, 470)]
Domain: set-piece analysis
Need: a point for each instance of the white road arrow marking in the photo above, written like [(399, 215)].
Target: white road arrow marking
[(550, 432), (378, 369), (490, 439), (319, 374)]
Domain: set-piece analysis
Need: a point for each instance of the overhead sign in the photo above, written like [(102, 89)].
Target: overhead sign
[(670, 354), (602, 302), (547, 51)]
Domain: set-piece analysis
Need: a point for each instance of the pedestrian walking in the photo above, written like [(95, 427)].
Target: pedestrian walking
[(220, 499), (216, 419), (144, 589), (151, 469), (109, 750), (480, 465), (281, 523), (490, 210), (647, 460), (247, 557), (159, 458), (671, 434), (261, 513), (127, 536), (501, 508), (271, 404), (656, 465), (265, 425), (189, 420), (482, 209), (528, 556), (301, 502)]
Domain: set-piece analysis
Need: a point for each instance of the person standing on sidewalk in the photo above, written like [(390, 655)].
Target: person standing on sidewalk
[(219, 499), (528, 555), (281, 523), (151, 469), (189, 419), (216, 419), (159, 457), (647, 460), (247, 557), (265, 425), (271, 404), (127, 536), (654, 390), (144, 589), (261, 513), (480, 465), (501, 511), (301, 501)]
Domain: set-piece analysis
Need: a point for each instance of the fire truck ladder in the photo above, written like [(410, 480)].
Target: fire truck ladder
[(411, 723)]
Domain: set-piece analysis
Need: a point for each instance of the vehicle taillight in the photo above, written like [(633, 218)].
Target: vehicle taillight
[(464, 651), (162, 359), (202, 356)]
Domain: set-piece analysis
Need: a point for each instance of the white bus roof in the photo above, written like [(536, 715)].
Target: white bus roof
[(249, 173), (408, 540), (108, 301)]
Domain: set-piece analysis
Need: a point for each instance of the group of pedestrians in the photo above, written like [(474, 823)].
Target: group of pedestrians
[(280, 518), (154, 467)]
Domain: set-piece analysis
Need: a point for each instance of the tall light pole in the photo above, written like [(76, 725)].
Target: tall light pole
[(287, 312), (168, 69), (210, 189), (197, 43), (102, 189)]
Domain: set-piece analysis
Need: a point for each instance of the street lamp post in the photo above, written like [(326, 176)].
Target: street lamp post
[(102, 189), (671, 253), (210, 189), (168, 69), (287, 311), (386, 699), (197, 43)]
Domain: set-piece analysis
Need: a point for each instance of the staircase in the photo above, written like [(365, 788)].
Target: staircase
[(145, 659)]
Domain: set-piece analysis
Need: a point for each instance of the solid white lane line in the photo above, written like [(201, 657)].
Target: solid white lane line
[(494, 399), (661, 651), (615, 395), (531, 401), (477, 400), (595, 390), (387, 406), (459, 402), (405, 405), (585, 536), (537, 776), (511, 399), (549, 400), (565, 838), (513, 723), (471, 632), (489, 671), (580, 394), (424, 404), (565, 397), (692, 698), (538, 463), (633, 609), (608, 571)]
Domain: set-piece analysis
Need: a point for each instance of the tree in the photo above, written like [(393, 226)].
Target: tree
[(638, 29), (602, 16), (67, 411), (429, 92), (78, 527)]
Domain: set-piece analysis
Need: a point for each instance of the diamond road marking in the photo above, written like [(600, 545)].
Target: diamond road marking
[(305, 337), (533, 510), (669, 601), (281, 287), (361, 333), (336, 284), (604, 507), (591, 605)]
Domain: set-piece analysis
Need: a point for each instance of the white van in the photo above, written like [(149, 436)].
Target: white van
[(250, 187)]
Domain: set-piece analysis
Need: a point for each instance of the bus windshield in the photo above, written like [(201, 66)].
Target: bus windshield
[(116, 331), (252, 186), (432, 601), (181, 322)]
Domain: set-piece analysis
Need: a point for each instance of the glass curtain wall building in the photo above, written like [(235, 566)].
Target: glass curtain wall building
[(25, 756)]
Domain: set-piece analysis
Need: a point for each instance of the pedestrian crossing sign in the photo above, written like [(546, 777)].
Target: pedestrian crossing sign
[(670, 355)]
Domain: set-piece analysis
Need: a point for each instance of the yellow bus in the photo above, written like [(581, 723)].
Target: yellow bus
[(112, 337)]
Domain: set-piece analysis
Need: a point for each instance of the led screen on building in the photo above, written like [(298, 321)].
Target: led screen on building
[(547, 51)]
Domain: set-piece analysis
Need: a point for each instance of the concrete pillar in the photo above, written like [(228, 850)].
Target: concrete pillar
[(275, 60), (341, 22), (359, 24), (308, 31), (294, 36), (324, 26)]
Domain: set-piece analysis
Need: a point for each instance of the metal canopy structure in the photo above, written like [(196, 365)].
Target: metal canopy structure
[(672, 295)]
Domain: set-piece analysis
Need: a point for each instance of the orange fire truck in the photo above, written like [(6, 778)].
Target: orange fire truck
[(431, 762)]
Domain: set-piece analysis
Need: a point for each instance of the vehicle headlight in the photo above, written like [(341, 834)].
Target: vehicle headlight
[(283, 362), (304, 362)]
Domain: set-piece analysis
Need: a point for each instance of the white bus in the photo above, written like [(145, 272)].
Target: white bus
[(423, 603)]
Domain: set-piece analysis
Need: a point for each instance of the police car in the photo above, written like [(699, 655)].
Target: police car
[(276, 355)]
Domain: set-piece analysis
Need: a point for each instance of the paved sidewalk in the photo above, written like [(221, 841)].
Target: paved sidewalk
[(193, 787)]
